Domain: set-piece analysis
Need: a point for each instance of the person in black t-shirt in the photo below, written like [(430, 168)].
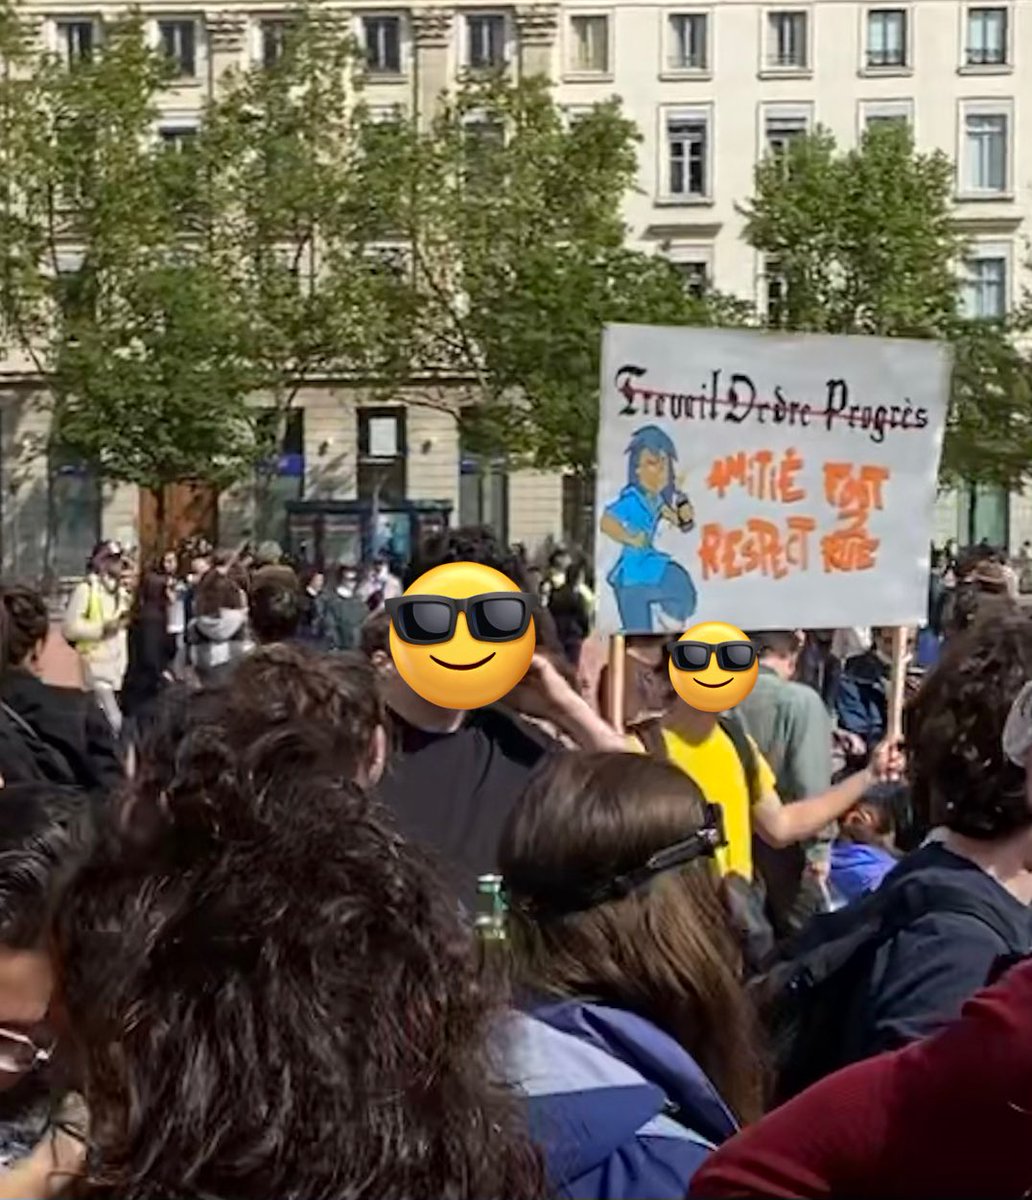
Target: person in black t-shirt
[(453, 776)]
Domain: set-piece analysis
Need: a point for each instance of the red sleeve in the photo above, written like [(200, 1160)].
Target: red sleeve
[(947, 1118)]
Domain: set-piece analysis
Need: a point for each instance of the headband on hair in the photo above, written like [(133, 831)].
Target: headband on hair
[(703, 843)]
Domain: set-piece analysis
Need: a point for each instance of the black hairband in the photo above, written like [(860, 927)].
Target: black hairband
[(703, 843)]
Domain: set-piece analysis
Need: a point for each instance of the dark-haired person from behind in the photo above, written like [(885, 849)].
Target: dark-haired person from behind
[(272, 995), (63, 729), (333, 697), (635, 1047), (960, 903), (277, 605), (152, 649)]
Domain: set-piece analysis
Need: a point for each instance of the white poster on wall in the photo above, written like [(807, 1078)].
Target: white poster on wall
[(775, 481)]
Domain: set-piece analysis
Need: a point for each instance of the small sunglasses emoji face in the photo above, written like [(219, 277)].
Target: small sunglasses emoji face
[(713, 666), (463, 635)]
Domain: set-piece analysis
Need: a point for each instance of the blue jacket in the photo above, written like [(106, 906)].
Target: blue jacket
[(620, 1110), (857, 869)]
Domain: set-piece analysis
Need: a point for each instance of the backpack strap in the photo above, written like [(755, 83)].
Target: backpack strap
[(921, 899), (746, 754)]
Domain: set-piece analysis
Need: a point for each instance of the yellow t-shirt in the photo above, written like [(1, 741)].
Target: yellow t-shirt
[(714, 765)]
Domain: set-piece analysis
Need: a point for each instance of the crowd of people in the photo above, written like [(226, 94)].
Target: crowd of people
[(770, 952)]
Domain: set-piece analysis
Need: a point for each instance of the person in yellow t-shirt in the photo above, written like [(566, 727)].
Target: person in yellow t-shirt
[(697, 743)]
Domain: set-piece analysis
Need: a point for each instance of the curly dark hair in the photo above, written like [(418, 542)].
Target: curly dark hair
[(272, 995), (217, 591), (28, 622), (335, 695), (276, 604), (959, 774), (476, 543), (45, 834)]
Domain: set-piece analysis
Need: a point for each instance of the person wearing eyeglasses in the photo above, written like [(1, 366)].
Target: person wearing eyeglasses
[(634, 1044), (44, 834)]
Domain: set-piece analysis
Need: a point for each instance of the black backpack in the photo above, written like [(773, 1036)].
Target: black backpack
[(813, 1005)]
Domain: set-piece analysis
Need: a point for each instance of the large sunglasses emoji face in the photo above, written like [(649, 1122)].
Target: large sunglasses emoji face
[(713, 666), (463, 635)]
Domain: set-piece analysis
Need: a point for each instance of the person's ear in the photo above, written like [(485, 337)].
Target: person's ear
[(377, 761), (382, 662)]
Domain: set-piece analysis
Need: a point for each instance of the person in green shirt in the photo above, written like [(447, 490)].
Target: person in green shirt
[(793, 731)]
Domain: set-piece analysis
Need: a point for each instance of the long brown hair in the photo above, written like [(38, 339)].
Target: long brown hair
[(665, 951)]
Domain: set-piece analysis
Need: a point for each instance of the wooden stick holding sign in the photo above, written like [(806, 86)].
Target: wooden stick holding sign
[(616, 673), (897, 683)]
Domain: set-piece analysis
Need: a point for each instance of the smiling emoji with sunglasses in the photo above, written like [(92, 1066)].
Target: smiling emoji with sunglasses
[(463, 635), (713, 666)]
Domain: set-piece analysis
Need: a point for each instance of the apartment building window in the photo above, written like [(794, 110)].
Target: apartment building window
[(885, 112), (485, 41), (687, 45), (983, 294), (688, 138), (382, 39), (381, 454), (787, 40), (76, 41), (985, 152), (782, 128), (986, 43), (273, 37), (177, 139), (179, 44), (775, 288), (886, 38), (695, 274), (589, 44)]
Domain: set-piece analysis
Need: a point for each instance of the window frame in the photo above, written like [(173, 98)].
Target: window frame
[(668, 114), (667, 69), (785, 110), (183, 77), (879, 109), (765, 275), (384, 74), (990, 251), (475, 14), (768, 67), (396, 463), (965, 66), (1001, 107), (692, 255), (62, 26), (177, 131), (906, 67), (589, 74)]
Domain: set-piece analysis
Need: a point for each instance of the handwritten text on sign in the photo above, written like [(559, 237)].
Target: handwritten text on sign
[(792, 488)]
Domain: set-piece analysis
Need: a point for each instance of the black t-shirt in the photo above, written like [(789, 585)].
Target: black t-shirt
[(453, 792)]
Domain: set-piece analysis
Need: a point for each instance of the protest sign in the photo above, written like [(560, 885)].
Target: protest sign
[(775, 481)]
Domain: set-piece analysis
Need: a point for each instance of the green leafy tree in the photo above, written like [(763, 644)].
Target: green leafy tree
[(519, 259), (283, 190), (130, 324), (866, 242)]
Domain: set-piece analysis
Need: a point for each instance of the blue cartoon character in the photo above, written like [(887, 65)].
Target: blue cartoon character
[(643, 578)]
